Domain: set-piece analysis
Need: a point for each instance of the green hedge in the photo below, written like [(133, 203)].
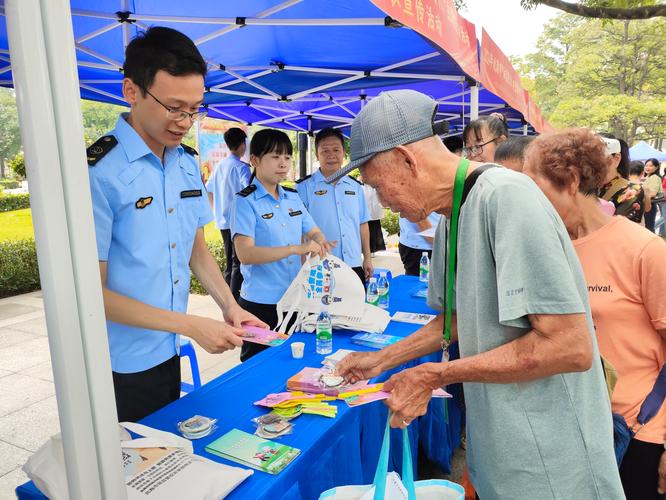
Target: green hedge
[(391, 222), (19, 272), (9, 202), (217, 250), (9, 184), (18, 267)]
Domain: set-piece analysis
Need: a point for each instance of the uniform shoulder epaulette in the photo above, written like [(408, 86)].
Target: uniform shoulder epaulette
[(189, 150), (247, 190), (303, 179), (290, 189), (355, 179), (100, 148)]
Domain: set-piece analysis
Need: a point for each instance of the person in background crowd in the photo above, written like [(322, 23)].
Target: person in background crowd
[(653, 188), (511, 153), (271, 230), (339, 209), (454, 143), (230, 176), (626, 278), (628, 197), (375, 212), (483, 135), (411, 245), (150, 209)]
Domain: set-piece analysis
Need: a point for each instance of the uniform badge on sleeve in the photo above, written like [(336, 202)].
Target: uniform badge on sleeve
[(143, 202), (267, 216)]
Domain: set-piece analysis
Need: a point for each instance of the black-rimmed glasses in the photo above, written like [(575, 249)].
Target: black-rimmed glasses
[(177, 115), (476, 150)]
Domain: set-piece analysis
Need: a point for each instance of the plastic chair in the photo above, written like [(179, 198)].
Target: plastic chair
[(187, 350)]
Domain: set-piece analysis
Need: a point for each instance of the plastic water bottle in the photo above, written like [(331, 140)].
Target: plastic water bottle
[(372, 296), (424, 267), (383, 289), (324, 332)]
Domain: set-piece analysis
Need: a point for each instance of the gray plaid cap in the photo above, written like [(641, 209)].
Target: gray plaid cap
[(392, 119)]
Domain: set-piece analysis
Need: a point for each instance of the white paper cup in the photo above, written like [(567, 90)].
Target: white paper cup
[(297, 349)]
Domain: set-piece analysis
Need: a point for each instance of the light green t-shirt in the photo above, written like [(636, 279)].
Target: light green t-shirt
[(550, 438)]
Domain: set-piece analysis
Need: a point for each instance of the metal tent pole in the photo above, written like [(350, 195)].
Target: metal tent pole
[(44, 67), (474, 101)]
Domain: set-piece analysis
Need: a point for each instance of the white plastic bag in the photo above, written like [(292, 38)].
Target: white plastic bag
[(389, 486), (145, 461), (328, 281)]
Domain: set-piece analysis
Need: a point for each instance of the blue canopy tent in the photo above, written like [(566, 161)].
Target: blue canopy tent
[(643, 151), (294, 64)]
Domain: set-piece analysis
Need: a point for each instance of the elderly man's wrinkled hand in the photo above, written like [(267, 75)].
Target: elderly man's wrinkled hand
[(411, 391), (358, 366)]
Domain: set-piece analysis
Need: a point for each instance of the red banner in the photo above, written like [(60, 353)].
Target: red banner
[(534, 116), (499, 76), (439, 22)]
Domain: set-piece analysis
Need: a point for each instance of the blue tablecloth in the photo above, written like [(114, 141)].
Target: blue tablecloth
[(334, 452)]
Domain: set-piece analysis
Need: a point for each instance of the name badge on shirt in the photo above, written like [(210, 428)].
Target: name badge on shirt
[(143, 202), (350, 192), (322, 192), (294, 213), (192, 193), (267, 216)]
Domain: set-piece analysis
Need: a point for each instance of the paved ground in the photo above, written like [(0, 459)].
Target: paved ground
[(28, 409)]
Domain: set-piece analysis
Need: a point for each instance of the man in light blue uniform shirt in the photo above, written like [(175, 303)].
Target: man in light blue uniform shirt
[(150, 206), (230, 176), (411, 245), (338, 209)]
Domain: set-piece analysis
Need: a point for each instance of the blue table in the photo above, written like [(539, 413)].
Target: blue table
[(334, 452)]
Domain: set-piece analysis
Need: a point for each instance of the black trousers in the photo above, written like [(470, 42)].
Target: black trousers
[(639, 470), (411, 258), (140, 394), (650, 217), (266, 313), (361, 274), (232, 272)]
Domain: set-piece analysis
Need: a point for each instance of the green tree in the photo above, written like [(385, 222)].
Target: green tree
[(608, 75), (98, 119), (605, 9), (17, 165), (10, 136)]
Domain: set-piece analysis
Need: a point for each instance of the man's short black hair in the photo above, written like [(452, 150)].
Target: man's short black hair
[(161, 48), (329, 132), (453, 143), (636, 167), (234, 137), (513, 148)]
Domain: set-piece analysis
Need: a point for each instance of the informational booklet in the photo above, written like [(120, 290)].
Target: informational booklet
[(321, 381), (376, 340), (369, 397), (263, 336), (414, 318), (253, 451)]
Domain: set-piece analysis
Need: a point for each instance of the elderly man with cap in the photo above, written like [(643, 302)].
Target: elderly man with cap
[(538, 416)]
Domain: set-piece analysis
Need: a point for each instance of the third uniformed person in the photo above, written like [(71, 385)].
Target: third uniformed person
[(339, 209)]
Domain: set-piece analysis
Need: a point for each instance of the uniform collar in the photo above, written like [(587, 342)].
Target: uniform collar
[(319, 177), (261, 191)]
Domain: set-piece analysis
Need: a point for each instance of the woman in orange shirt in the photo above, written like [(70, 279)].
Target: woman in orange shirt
[(623, 266)]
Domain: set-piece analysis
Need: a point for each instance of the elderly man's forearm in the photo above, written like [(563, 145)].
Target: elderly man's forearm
[(530, 357)]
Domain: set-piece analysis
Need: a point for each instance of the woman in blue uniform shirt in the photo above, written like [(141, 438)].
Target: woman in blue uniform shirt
[(271, 231)]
